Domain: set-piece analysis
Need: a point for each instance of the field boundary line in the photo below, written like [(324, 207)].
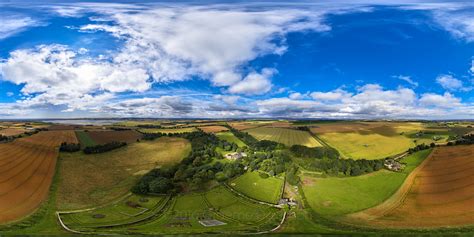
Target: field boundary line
[(283, 219)]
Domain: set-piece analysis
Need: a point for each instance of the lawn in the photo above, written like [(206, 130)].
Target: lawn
[(285, 136), (91, 180), (263, 189), (85, 139), (339, 196), (228, 136), (168, 130)]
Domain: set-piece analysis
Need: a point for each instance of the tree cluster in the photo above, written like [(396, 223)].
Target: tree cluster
[(199, 167), (314, 152), (103, 148), (346, 167), (420, 147), (69, 147), (467, 139), (326, 159)]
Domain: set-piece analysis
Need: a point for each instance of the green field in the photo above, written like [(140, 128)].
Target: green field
[(126, 210), (285, 136), (252, 185), (85, 139), (228, 136), (367, 146), (339, 196), (167, 130), (180, 215), (92, 180)]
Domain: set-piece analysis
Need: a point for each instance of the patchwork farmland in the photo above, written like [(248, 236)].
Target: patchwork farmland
[(439, 193), (27, 167), (285, 136)]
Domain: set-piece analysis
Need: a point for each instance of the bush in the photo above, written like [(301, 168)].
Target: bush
[(69, 147)]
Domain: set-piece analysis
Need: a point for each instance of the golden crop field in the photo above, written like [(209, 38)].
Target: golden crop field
[(369, 140)]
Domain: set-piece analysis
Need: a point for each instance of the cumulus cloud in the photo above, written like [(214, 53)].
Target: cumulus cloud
[(451, 83), (407, 79), (369, 101), (11, 25), (254, 83), (446, 100), (54, 74), (335, 95), (177, 43)]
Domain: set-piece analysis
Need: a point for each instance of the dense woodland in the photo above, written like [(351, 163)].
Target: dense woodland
[(205, 164)]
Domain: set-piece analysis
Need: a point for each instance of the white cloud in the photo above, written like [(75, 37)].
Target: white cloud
[(55, 75), (458, 19), (254, 83), (11, 25), (338, 94), (446, 100), (370, 101), (10, 94), (407, 79), (450, 83), (296, 96), (174, 44)]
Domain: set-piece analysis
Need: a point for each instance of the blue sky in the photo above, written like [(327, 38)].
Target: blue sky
[(234, 59)]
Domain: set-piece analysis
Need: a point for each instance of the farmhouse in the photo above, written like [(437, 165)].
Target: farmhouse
[(393, 165), (235, 155)]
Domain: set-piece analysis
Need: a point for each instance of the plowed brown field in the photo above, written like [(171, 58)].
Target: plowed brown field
[(439, 193), (26, 170)]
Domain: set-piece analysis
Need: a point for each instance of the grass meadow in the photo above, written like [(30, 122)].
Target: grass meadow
[(262, 189), (95, 179), (228, 136), (335, 196)]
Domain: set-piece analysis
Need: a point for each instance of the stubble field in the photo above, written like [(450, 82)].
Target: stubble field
[(285, 136), (439, 193)]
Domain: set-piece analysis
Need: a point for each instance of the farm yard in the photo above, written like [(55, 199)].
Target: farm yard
[(439, 193), (27, 167), (336, 197), (285, 136), (263, 189), (213, 129), (91, 180)]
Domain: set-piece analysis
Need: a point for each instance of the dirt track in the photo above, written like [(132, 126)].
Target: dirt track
[(440, 192), (27, 167)]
